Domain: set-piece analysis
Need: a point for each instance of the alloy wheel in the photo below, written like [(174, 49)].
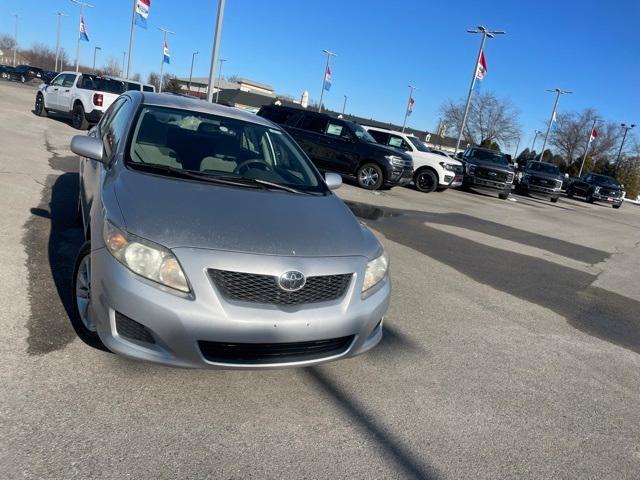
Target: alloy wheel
[(369, 176), (83, 293)]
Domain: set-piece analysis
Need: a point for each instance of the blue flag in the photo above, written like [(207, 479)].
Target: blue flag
[(84, 35), (142, 12)]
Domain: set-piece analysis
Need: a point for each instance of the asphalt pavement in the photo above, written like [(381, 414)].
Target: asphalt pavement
[(511, 348)]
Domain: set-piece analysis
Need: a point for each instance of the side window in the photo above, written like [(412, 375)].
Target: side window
[(314, 123), (335, 129), (114, 131), (57, 82), (68, 80), (587, 177), (380, 137), (395, 141)]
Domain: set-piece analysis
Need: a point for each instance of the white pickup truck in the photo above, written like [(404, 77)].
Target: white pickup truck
[(431, 171), (81, 96)]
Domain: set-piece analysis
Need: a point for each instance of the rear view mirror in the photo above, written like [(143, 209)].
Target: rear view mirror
[(333, 180), (89, 147)]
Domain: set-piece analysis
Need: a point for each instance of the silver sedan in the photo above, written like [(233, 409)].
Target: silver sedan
[(212, 241)]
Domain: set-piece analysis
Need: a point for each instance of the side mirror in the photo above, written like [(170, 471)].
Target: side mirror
[(333, 180), (89, 147)]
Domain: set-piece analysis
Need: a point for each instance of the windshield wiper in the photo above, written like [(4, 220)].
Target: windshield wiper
[(263, 183), (190, 174)]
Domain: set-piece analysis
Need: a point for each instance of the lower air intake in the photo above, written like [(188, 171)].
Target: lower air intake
[(132, 330)]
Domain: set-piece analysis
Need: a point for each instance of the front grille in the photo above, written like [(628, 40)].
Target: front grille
[(132, 330), (266, 353), (493, 175), (545, 182), (251, 287), (605, 192)]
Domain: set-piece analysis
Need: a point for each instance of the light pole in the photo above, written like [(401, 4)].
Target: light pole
[(132, 34), (515, 154), (193, 59), (406, 111), (81, 5), (95, 52), (558, 92), (215, 50), (624, 137), (344, 104), (222, 60), (324, 77), (165, 32), (485, 33), (586, 150), (535, 137), (124, 57), (60, 15), (15, 41)]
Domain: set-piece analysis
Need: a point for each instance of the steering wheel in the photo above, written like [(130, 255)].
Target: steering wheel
[(259, 163)]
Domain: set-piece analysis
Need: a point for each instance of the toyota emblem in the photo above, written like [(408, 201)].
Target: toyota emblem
[(291, 281)]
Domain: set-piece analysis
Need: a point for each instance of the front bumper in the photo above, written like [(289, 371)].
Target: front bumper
[(93, 116), (399, 176), (471, 181), (540, 190), (607, 199), (178, 322)]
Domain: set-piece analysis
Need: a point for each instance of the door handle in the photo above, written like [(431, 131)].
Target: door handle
[(55, 89), (67, 90)]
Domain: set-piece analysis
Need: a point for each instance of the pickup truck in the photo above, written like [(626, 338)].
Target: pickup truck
[(594, 187), (487, 170), (81, 96), (540, 178)]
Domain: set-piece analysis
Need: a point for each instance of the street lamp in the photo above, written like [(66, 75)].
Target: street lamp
[(193, 59), (324, 77), (552, 119), (624, 137), (485, 33), (95, 52), (15, 41), (344, 104), (222, 60), (535, 137), (124, 58), (60, 15), (215, 50)]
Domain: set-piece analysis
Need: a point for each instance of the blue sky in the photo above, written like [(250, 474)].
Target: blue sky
[(588, 46)]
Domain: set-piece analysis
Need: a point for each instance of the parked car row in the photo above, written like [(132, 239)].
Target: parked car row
[(25, 73)]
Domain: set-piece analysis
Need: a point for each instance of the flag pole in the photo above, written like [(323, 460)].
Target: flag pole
[(164, 42), (584, 157), (552, 119), (406, 112), (82, 5), (324, 77), (132, 34)]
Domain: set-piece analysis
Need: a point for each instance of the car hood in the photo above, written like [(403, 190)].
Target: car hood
[(495, 166), (434, 157), (547, 176), (181, 213), (607, 186)]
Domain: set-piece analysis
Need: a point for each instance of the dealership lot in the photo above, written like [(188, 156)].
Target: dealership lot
[(511, 349)]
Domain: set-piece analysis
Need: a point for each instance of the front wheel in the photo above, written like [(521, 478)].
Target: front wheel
[(426, 181), (39, 106), (370, 176), (81, 318), (554, 199), (503, 196), (617, 206), (79, 119)]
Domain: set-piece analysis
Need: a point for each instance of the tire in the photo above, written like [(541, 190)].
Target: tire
[(616, 206), (370, 176), (589, 197), (503, 196), (79, 119), (425, 180), (81, 299), (39, 106), (570, 192), (23, 79), (554, 199)]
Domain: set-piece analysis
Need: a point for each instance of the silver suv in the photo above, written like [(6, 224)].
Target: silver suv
[(212, 241)]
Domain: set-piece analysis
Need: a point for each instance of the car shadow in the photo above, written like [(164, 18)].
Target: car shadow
[(52, 237), (56, 117)]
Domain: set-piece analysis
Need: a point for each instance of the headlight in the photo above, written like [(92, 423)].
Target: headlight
[(471, 169), (376, 270), (395, 160), (145, 258), (596, 190), (448, 166)]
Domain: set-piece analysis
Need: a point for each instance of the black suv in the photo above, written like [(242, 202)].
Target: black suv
[(594, 187), (25, 73), (487, 170), (541, 178), (344, 147)]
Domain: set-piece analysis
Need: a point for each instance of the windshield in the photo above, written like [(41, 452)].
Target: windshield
[(101, 84), (605, 180), (221, 147), (421, 147), (544, 168), (361, 133), (488, 156)]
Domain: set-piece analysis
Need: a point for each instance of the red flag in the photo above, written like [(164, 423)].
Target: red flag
[(594, 134), (482, 69)]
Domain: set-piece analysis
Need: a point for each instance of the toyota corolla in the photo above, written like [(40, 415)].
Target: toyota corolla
[(212, 241)]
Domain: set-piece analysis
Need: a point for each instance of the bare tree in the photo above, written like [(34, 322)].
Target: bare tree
[(154, 79), (171, 84), (137, 77), (112, 67), (490, 119)]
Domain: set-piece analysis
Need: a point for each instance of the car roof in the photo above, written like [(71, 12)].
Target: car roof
[(201, 106), (378, 129)]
